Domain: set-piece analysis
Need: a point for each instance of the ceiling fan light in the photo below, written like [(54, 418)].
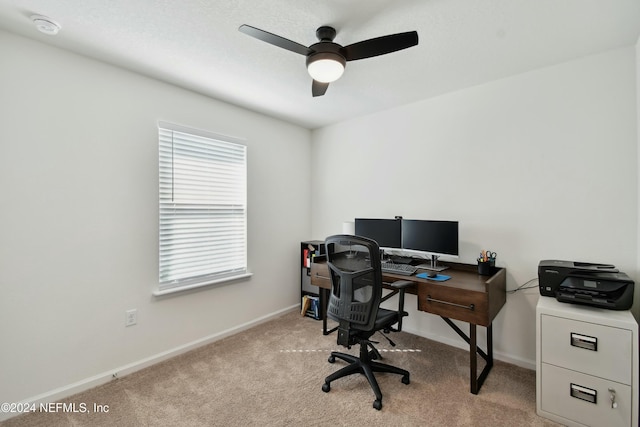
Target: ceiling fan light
[(325, 67)]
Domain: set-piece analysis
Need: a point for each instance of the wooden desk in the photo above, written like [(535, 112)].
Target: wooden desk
[(467, 297)]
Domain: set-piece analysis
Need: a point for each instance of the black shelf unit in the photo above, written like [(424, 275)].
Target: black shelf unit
[(310, 249)]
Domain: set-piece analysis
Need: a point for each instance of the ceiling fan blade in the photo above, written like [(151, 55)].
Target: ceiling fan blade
[(319, 88), (274, 39), (380, 45)]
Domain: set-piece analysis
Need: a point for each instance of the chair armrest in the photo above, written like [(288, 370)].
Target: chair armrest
[(399, 287), (402, 284)]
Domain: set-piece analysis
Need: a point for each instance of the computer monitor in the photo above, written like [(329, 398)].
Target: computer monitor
[(436, 238), (387, 232)]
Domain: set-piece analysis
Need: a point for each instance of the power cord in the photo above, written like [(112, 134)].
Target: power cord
[(523, 286)]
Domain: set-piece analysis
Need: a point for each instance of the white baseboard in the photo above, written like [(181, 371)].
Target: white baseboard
[(96, 380), (504, 357)]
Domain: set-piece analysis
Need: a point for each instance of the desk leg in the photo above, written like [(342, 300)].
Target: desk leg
[(473, 358), (488, 358), (476, 380), (324, 303), (323, 309)]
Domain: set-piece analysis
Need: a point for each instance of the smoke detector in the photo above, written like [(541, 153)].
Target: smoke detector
[(46, 25)]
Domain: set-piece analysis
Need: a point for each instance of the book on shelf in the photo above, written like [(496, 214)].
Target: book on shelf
[(306, 303), (310, 306)]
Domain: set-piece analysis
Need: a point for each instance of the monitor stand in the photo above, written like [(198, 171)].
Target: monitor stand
[(433, 265)]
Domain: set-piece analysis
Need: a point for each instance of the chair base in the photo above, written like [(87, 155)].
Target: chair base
[(365, 366)]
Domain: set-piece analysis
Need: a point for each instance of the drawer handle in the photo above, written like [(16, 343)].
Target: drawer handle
[(468, 307), (584, 341), (322, 277), (584, 393)]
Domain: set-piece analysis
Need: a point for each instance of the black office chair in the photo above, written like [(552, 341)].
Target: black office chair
[(354, 302)]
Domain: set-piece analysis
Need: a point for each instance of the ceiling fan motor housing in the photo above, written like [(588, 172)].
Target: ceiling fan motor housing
[(326, 50)]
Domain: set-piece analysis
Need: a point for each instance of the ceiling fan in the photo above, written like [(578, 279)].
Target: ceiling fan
[(326, 60)]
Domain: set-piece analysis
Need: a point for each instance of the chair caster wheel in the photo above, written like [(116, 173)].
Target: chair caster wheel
[(405, 379), (332, 359), (377, 404), (326, 387)]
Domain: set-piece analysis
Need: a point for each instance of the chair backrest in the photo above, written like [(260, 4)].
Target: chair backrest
[(356, 284)]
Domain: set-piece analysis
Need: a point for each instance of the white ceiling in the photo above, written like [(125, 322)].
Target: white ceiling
[(196, 44)]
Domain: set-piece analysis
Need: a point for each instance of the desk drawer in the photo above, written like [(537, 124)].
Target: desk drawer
[(320, 275), (584, 398), (599, 350), (454, 303)]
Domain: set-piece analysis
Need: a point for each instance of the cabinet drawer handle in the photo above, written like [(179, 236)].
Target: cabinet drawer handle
[(322, 277), (584, 341), (584, 393), (468, 307)]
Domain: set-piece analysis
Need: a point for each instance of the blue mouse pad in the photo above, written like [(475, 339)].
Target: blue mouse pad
[(437, 278)]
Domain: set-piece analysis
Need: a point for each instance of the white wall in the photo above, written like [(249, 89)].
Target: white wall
[(541, 165), (637, 91), (78, 219)]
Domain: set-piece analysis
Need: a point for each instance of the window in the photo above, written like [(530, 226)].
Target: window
[(203, 208)]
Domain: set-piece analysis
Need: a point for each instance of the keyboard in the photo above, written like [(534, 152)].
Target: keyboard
[(403, 269)]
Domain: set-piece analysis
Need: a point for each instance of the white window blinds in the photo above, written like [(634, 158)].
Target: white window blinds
[(203, 209)]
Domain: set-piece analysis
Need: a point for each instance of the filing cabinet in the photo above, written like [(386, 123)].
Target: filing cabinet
[(586, 365)]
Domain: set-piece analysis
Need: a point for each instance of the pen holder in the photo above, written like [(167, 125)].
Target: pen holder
[(485, 268)]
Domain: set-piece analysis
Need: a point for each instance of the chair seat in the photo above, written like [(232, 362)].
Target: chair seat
[(384, 319)]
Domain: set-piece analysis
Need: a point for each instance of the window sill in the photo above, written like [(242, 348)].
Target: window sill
[(178, 289)]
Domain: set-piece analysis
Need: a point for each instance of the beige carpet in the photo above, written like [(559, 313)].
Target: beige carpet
[(273, 374)]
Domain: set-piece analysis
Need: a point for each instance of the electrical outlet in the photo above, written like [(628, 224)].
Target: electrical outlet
[(131, 317)]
